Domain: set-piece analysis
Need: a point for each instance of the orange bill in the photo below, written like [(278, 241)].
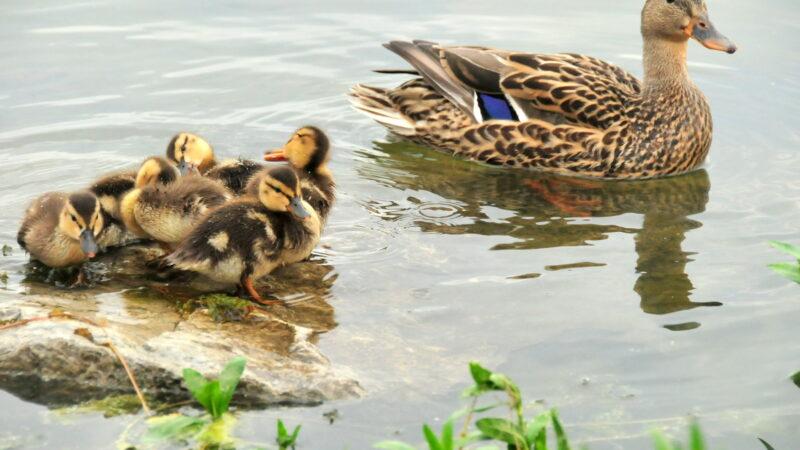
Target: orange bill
[(274, 155)]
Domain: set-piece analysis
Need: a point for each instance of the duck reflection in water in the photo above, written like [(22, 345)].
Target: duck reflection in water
[(545, 208)]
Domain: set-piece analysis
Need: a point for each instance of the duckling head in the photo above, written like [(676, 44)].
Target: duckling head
[(679, 20), (80, 219), (279, 190), (307, 149), (156, 170), (191, 153)]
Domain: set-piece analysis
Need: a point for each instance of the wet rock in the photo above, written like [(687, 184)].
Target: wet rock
[(46, 362)]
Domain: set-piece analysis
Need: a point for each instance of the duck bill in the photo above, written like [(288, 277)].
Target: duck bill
[(88, 244), (275, 155), (298, 209), (702, 30), (183, 167)]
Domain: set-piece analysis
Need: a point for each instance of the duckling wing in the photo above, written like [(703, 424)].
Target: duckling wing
[(42, 214), (577, 88)]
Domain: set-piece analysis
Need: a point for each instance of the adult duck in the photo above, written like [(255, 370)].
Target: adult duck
[(564, 113)]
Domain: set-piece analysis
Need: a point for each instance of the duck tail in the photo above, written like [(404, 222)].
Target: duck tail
[(376, 104), (424, 57)]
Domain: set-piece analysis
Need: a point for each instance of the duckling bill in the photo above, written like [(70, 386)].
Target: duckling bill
[(248, 238)]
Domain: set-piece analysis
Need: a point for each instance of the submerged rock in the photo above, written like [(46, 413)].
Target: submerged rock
[(46, 362)]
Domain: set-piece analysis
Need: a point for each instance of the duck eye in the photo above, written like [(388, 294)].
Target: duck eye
[(276, 190), (73, 218)]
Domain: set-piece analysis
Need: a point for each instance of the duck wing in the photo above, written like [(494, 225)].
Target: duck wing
[(574, 88)]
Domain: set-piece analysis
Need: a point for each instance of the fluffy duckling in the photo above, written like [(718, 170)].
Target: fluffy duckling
[(249, 237), (193, 155), (59, 229), (109, 190), (165, 206), (308, 151)]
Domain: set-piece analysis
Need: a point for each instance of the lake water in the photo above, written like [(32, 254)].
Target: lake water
[(629, 307)]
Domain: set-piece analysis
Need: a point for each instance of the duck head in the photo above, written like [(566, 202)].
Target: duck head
[(81, 220), (156, 170), (307, 149), (191, 153), (679, 20), (279, 190)]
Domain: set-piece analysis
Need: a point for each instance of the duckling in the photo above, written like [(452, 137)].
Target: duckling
[(308, 151), (60, 229), (109, 190), (194, 155), (191, 153), (164, 206), (249, 237)]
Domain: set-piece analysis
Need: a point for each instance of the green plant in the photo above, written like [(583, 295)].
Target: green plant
[(213, 428), (284, 439), (696, 441), (788, 270), (517, 433)]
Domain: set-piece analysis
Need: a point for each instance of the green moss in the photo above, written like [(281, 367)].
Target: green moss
[(7, 250), (113, 406), (224, 308)]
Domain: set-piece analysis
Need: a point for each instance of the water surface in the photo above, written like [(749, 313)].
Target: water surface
[(627, 305)]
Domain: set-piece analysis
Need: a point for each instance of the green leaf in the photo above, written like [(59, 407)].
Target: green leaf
[(393, 445), (430, 436), (790, 271), (196, 382), (502, 430), (470, 438), (796, 379), (535, 428), (228, 380), (659, 441), (766, 444), (696, 437), (283, 439), (281, 429), (788, 248), (479, 373), (540, 443), (447, 435), (561, 436), (210, 394), (295, 432), (172, 427)]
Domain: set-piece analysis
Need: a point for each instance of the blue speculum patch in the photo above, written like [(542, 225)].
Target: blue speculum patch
[(496, 107)]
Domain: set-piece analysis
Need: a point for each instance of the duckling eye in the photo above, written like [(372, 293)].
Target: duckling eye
[(276, 189), (73, 218), (670, 1)]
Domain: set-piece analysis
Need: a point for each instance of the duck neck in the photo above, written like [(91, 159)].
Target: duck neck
[(664, 65)]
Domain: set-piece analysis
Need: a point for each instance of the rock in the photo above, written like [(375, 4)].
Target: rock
[(46, 362)]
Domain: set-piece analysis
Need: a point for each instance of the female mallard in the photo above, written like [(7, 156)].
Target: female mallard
[(563, 113), (59, 229), (308, 151), (194, 155), (165, 206), (248, 238)]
